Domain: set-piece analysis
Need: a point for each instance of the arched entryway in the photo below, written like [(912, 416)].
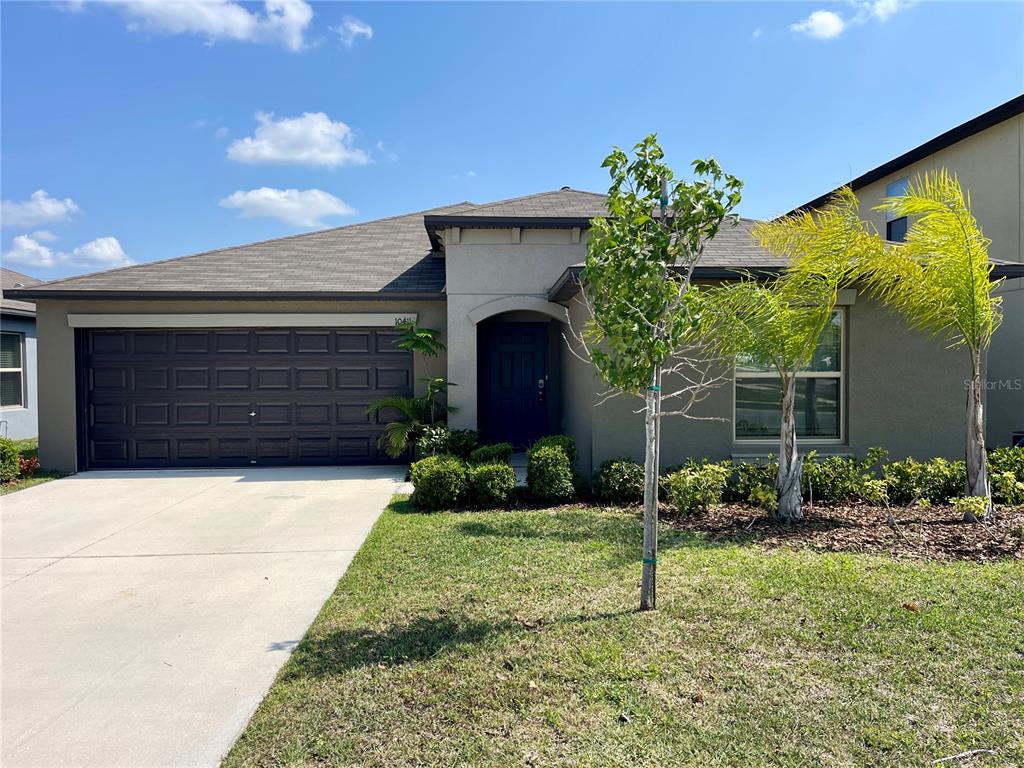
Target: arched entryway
[(519, 390)]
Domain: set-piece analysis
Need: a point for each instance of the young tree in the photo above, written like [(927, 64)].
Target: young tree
[(642, 306), (778, 323), (940, 280)]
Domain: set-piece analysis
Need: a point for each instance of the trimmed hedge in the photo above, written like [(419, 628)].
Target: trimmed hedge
[(566, 443), (549, 473), (697, 487), (439, 482), (620, 481), (9, 457), (498, 453), (491, 485)]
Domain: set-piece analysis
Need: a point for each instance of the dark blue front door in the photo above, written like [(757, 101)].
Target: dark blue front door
[(513, 398)]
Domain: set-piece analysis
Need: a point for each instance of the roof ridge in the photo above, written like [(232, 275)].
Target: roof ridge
[(212, 251), (19, 274), (533, 196)]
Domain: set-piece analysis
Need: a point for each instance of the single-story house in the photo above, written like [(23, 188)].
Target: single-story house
[(270, 353), (18, 398)]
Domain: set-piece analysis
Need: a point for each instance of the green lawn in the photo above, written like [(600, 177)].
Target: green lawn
[(28, 447), (510, 639)]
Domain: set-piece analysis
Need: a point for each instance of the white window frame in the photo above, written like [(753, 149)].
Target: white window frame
[(840, 374), (21, 370)]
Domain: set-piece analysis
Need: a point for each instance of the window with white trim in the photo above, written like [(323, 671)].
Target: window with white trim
[(12, 370), (819, 393)]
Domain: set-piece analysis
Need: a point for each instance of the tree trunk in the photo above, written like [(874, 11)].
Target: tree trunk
[(977, 474), (648, 583), (787, 482)]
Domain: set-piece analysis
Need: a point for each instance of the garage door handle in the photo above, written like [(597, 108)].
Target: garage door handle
[(252, 413)]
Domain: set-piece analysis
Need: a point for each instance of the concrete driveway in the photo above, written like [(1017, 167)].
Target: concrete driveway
[(145, 614)]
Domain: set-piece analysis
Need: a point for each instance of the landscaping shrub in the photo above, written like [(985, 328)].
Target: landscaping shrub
[(434, 441), (462, 442), (1006, 470), (697, 487), (491, 485), (752, 482), (1007, 489), (498, 453), (8, 460), (904, 480), (936, 481), (1007, 460), (439, 482), (971, 506), (549, 472), (839, 479), (620, 481), (27, 466), (564, 442)]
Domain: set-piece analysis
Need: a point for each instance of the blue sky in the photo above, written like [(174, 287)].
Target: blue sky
[(157, 131)]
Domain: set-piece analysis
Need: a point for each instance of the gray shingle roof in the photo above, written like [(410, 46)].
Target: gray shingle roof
[(390, 257), (387, 256), (558, 203), (10, 279)]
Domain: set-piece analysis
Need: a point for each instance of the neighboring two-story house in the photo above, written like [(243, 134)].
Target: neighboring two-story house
[(987, 154), (270, 353)]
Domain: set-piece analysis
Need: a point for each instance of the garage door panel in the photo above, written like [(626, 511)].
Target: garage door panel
[(226, 342), (184, 397), (150, 343), (191, 342)]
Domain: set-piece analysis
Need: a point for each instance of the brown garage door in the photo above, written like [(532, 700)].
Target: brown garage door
[(198, 398)]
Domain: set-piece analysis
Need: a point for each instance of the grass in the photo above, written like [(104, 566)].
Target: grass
[(510, 638), (28, 447)]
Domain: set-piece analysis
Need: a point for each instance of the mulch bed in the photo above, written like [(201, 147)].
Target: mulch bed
[(932, 533)]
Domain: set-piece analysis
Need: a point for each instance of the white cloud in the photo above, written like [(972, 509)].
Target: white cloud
[(757, 33), (300, 208), (282, 21), (101, 253), (222, 132), (388, 154), (351, 28), (43, 236), (28, 251), (827, 25), (40, 208), (822, 25), (883, 9), (311, 139)]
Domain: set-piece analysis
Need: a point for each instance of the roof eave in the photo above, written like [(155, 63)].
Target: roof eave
[(131, 295), (1003, 112), (568, 284)]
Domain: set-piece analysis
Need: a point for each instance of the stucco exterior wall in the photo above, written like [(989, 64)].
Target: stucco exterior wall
[(56, 361), (990, 165), (486, 265), (903, 391), (21, 422)]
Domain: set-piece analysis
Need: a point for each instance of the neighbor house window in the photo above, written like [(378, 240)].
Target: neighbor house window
[(896, 228), (12, 370), (819, 393)]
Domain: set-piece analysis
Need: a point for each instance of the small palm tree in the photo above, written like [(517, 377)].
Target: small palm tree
[(777, 324), (416, 413), (940, 280)]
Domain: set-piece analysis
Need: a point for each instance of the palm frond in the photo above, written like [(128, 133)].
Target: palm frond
[(939, 278), (396, 437), (410, 408)]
